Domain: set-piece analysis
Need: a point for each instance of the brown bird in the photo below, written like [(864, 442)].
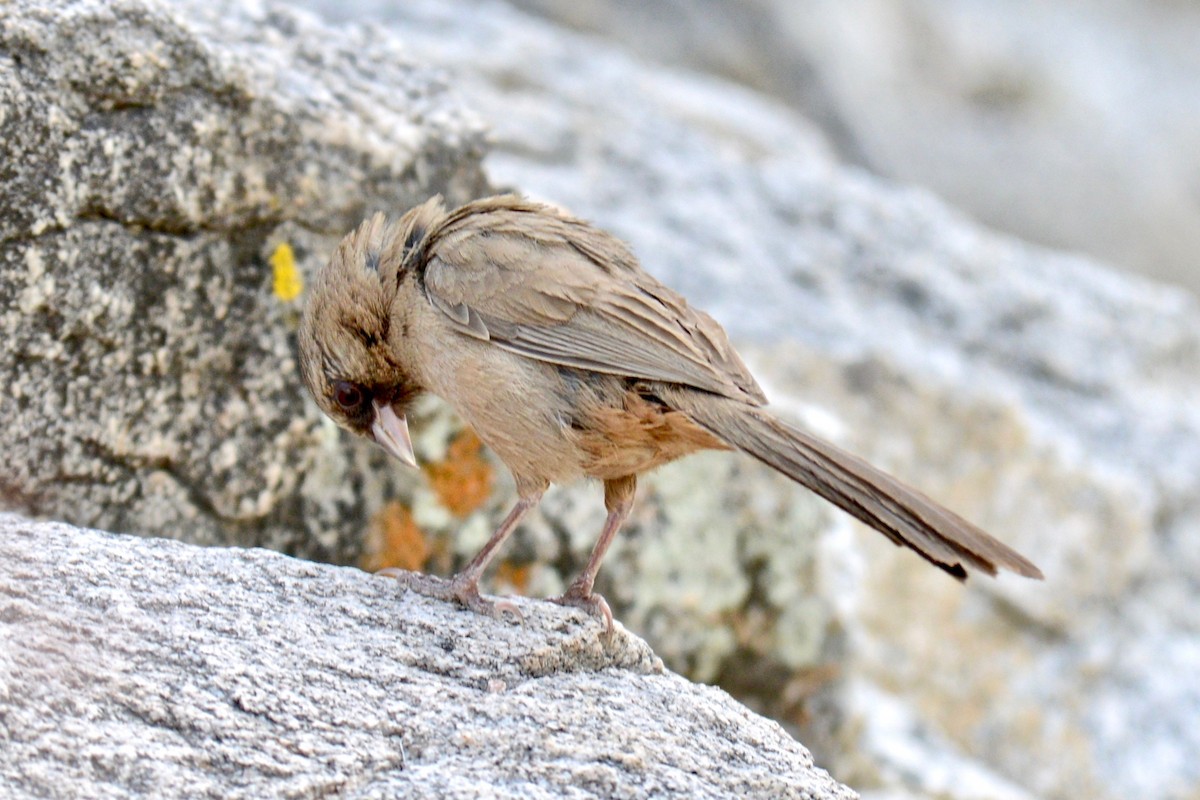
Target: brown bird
[(547, 337)]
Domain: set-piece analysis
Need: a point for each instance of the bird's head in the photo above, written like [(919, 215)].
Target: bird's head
[(349, 358)]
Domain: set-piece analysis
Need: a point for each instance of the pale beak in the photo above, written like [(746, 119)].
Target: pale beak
[(391, 433)]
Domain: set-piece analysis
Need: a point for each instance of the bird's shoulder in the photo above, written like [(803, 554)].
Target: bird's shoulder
[(538, 281)]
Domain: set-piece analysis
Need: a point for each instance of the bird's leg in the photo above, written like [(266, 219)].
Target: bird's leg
[(618, 499), (464, 587)]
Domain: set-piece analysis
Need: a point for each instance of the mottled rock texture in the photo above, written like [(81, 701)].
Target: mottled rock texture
[(143, 667), (153, 159)]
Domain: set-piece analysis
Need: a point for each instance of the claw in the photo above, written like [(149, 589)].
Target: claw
[(501, 606), (458, 589), (592, 603)]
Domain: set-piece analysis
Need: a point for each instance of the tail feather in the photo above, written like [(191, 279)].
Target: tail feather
[(903, 514)]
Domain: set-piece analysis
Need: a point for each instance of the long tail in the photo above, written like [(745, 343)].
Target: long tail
[(900, 513)]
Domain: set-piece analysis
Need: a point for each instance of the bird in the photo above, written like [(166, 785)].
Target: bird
[(570, 361)]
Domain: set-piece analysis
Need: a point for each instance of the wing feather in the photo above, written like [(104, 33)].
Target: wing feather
[(537, 282)]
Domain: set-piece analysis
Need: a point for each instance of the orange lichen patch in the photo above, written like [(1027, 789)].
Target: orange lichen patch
[(515, 575), (463, 480), (394, 540), (288, 282)]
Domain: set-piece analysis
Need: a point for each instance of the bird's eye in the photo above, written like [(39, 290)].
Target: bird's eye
[(347, 395)]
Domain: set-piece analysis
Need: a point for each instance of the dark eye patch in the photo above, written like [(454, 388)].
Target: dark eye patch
[(350, 397)]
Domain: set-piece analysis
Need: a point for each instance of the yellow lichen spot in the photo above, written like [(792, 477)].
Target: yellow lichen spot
[(289, 283), (394, 540), (463, 480)]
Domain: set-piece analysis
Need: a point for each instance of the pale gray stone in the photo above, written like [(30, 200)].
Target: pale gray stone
[(133, 667)]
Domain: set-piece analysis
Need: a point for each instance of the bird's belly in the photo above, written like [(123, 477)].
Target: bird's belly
[(552, 424), (634, 434), (533, 445), (516, 407)]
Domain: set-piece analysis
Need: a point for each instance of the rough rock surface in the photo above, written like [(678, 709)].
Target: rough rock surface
[(152, 163), (136, 667)]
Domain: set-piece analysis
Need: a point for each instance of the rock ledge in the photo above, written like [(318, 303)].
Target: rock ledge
[(128, 665)]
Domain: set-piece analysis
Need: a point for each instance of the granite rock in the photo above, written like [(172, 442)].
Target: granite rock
[(135, 667), (169, 177)]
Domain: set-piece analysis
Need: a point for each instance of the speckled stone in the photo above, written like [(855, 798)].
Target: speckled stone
[(134, 667), (154, 158)]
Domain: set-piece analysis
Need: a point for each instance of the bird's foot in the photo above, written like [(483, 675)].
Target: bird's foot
[(594, 604), (461, 589)]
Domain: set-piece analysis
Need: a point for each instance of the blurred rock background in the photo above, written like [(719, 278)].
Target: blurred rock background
[(175, 171), (1074, 124)]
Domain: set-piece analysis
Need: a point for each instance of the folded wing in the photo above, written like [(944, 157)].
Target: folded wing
[(537, 282)]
